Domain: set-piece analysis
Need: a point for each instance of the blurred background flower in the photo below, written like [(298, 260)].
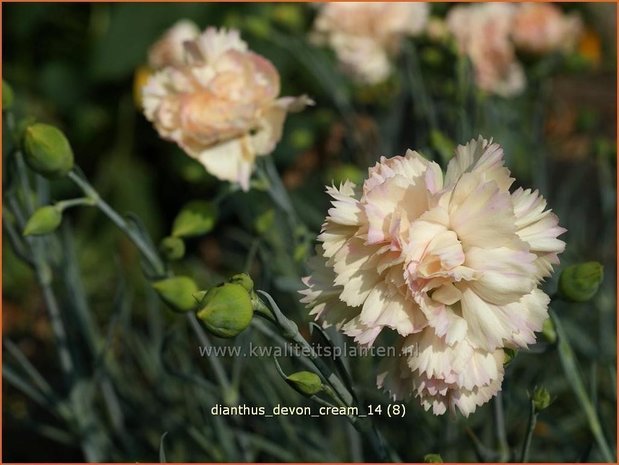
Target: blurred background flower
[(365, 36), (219, 102)]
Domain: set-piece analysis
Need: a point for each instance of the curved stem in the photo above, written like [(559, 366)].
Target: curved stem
[(572, 373), (499, 417), (82, 201), (151, 256), (44, 278), (342, 395), (527, 440)]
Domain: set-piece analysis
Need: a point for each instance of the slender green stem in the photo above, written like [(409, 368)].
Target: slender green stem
[(44, 278), (572, 373), (218, 369), (485, 454), (418, 86), (499, 419), (151, 256), (291, 332), (341, 395), (158, 266), (91, 436), (82, 201), (526, 447)]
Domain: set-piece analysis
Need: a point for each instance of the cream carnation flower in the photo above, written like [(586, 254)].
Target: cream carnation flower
[(542, 28), (169, 50), (442, 376), (365, 36), (450, 262), (221, 106), (482, 32)]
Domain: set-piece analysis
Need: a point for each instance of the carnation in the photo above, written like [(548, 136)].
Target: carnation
[(366, 36), (451, 262), (542, 28), (482, 32), (169, 50), (221, 106)]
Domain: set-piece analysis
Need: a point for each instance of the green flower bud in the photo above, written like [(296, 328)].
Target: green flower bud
[(548, 330), (541, 398), (47, 150), (172, 248), (300, 252), (264, 222), (290, 16), (7, 96), (258, 27), (178, 293), (44, 220), (579, 283), (433, 458), (510, 354), (305, 382), (194, 219), (301, 138), (244, 280), (226, 310)]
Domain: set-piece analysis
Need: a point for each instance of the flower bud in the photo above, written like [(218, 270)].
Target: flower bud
[(291, 16), (300, 252), (244, 280), (433, 458), (541, 398), (177, 292), (579, 283), (226, 310), (548, 330), (195, 218), (264, 222), (258, 26), (305, 382), (7, 96), (44, 220), (172, 248), (47, 150)]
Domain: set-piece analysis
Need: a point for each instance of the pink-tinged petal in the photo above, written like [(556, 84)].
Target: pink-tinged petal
[(356, 271), (322, 296), (488, 326), (363, 334), (447, 294), (442, 318), (346, 209), (386, 306), (334, 236), (481, 214), (231, 161), (482, 157), (533, 309), (539, 228), (169, 50), (467, 401), (505, 274)]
